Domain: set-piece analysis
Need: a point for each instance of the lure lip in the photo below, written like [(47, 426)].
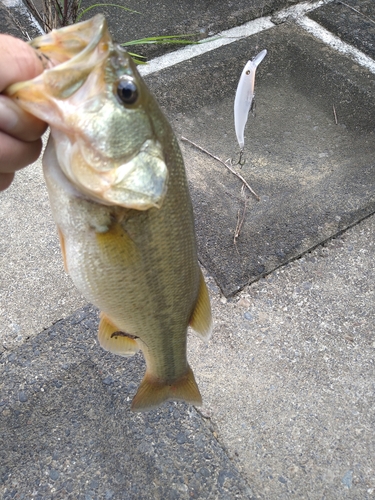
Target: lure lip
[(259, 58)]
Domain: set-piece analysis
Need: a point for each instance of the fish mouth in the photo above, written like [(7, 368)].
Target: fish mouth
[(76, 42), (68, 55)]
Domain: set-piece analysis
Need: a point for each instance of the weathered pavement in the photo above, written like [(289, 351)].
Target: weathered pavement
[(288, 376)]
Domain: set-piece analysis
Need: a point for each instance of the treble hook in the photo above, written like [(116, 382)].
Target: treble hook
[(239, 162)]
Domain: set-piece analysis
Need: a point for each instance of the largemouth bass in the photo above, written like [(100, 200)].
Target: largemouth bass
[(120, 200)]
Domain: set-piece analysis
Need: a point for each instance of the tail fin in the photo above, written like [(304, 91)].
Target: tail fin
[(152, 392)]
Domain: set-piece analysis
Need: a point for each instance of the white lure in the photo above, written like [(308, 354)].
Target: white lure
[(244, 96)]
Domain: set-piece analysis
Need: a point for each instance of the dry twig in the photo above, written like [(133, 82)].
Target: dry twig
[(17, 23), (334, 113), (239, 224), (357, 11)]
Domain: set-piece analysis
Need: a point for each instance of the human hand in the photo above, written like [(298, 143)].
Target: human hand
[(20, 132)]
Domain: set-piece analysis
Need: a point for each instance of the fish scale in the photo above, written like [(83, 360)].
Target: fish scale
[(126, 222)]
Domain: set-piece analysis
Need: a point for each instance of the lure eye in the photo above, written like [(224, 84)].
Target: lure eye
[(127, 91), (248, 72)]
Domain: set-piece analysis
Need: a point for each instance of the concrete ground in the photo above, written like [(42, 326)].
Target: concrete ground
[(288, 376)]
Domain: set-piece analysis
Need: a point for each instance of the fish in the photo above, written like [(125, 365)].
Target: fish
[(245, 95), (119, 197)]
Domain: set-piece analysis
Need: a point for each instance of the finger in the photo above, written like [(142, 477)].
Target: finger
[(5, 181), (18, 61), (15, 154), (18, 123)]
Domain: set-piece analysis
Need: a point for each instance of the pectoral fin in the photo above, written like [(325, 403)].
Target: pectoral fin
[(201, 319), (152, 391), (112, 340), (116, 246)]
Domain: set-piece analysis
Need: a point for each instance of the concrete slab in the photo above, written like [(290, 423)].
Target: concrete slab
[(353, 21), (288, 376), (35, 292), (310, 149), (66, 432)]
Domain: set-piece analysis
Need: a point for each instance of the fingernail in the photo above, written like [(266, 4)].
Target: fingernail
[(8, 115)]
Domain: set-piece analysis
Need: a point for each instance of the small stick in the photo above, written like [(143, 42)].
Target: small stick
[(334, 113), (357, 11), (237, 231), (225, 165)]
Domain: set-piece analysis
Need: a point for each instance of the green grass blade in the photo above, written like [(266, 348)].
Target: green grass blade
[(137, 58), (168, 39), (105, 5)]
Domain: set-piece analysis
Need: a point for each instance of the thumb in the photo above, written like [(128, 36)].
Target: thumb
[(18, 61)]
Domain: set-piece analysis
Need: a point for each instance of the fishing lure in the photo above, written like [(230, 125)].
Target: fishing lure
[(244, 97)]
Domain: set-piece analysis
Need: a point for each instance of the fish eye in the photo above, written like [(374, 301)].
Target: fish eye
[(127, 90)]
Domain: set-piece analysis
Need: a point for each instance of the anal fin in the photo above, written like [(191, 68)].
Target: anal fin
[(115, 341), (152, 391), (201, 319)]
